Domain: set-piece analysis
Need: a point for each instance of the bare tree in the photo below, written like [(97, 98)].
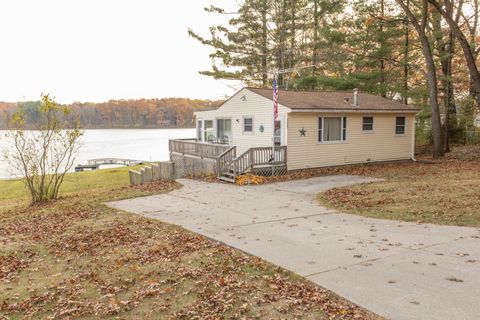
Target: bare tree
[(469, 48), (43, 156), (420, 25)]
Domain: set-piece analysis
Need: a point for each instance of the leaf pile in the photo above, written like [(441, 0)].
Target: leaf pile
[(249, 178), (11, 265)]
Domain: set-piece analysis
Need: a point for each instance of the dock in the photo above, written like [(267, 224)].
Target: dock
[(95, 164)]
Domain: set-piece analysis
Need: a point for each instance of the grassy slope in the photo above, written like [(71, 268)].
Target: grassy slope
[(77, 258), (444, 192), (101, 179)]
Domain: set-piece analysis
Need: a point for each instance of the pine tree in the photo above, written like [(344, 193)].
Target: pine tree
[(242, 51)]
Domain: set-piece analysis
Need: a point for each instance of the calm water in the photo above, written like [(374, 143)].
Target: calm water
[(138, 144)]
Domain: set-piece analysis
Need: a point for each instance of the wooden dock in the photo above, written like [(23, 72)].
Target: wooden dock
[(95, 164)]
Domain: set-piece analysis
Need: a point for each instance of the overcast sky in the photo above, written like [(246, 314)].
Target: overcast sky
[(96, 50)]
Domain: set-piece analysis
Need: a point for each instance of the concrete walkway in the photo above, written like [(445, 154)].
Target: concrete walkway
[(396, 269)]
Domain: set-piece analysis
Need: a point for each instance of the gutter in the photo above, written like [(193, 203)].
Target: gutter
[(357, 110)]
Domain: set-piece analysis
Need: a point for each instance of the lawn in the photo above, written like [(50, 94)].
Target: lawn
[(440, 192), (14, 190), (77, 258)]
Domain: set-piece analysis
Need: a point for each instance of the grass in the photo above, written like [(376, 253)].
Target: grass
[(440, 192), (77, 258), (87, 180)]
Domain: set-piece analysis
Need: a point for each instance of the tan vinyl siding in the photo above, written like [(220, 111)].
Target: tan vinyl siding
[(246, 104), (380, 145)]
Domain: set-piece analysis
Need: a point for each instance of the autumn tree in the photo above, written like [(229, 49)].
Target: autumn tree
[(43, 157), (468, 45)]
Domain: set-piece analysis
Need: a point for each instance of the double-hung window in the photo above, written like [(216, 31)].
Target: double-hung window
[(367, 124), (332, 129), (248, 125), (400, 125)]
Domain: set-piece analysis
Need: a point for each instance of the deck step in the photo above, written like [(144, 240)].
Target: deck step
[(228, 174), (226, 179)]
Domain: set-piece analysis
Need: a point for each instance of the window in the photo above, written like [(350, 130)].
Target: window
[(248, 125), (332, 129), (224, 130), (400, 125), (199, 130), (367, 124), (209, 136)]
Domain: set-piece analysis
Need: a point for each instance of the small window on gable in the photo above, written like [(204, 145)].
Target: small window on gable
[(400, 125), (367, 124), (247, 125)]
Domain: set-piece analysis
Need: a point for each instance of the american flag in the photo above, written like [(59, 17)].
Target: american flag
[(275, 98)]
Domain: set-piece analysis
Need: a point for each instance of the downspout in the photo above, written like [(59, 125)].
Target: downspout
[(413, 140)]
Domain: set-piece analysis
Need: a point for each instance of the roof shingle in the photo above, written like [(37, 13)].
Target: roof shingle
[(333, 100)]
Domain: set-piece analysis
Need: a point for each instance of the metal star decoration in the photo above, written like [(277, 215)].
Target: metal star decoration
[(302, 132)]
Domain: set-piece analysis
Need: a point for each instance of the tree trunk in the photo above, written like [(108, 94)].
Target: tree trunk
[(292, 38), (431, 74), (445, 52), (315, 36), (283, 39), (450, 120), (433, 93), (405, 58), (383, 91), (264, 44)]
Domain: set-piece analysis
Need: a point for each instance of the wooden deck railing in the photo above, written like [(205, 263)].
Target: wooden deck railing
[(259, 157), (242, 163), (263, 156), (226, 159), (198, 149)]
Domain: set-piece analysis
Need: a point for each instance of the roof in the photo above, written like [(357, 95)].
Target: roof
[(333, 100)]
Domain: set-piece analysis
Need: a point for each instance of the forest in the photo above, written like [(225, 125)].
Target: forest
[(420, 52), (139, 113)]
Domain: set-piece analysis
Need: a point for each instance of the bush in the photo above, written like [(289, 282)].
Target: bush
[(43, 156)]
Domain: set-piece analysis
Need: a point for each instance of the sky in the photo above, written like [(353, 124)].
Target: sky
[(96, 50)]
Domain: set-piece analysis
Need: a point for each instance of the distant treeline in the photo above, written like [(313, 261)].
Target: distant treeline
[(140, 113)]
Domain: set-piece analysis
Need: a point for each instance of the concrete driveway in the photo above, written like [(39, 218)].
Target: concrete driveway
[(396, 269)]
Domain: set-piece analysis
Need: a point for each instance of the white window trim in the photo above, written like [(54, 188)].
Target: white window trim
[(373, 124), (404, 126), (243, 125), (202, 130), (230, 140), (342, 131), (205, 129)]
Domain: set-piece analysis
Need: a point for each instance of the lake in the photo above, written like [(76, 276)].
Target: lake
[(137, 144)]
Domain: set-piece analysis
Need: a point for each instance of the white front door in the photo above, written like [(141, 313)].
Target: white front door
[(279, 135)]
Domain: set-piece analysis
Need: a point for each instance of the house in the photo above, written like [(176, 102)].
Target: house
[(314, 128)]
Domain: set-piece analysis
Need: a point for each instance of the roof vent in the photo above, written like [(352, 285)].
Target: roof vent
[(355, 97)]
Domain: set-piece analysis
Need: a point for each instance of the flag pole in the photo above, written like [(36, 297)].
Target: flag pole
[(275, 105), (275, 101)]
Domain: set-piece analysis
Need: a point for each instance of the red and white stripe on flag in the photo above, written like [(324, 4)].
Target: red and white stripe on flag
[(275, 99)]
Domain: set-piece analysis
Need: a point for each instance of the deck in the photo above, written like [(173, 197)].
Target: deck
[(94, 164), (228, 166)]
